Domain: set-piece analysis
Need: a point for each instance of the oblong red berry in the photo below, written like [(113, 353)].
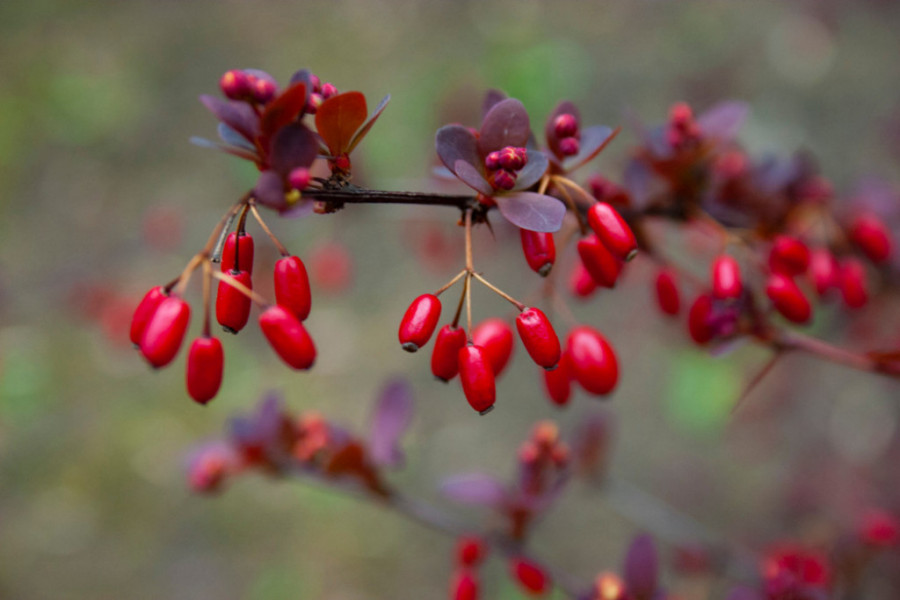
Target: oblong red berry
[(788, 299), (854, 284), (165, 331), (593, 360), (530, 576), (872, 236), (558, 381), (445, 356), (238, 247), (205, 364), (539, 337), (667, 296), (699, 319), (824, 270), (602, 265), (612, 230), (288, 337), (789, 256), (292, 286), (144, 312), (496, 337), (726, 278), (470, 551), (581, 283), (233, 305), (477, 378), (464, 586), (539, 249), (419, 322)]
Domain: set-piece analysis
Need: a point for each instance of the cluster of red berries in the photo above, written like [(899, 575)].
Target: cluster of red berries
[(470, 554), (503, 165), (259, 88), (160, 321)]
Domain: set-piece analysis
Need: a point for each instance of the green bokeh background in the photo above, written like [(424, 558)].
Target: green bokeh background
[(97, 101)]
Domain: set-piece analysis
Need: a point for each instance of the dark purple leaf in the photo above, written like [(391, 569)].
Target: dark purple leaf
[(474, 488), (239, 152), (724, 120), (393, 414), (506, 124), (638, 182), (533, 170), (564, 107), (304, 75), (364, 129), (471, 177), (232, 137), (535, 212), (269, 190), (293, 146), (286, 108), (455, 142), (641, 569), (491, 98), (267, 432), (593, 140), (442, 172), (743, 593), (237, 115)]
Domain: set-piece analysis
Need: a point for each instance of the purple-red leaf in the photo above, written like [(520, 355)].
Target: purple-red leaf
[(393, 414), (641, 569), (638, 182), (533, 170), (369, 122), (269, 190), (239, 152), (593, 140), (535, 212), (491, 98), (724, 120), (474, 488), (472, 177), (293, 146), (338, 118), (303, 76), (506, 124), (282, 111), (237, 115), (455, 142), (232, 137)]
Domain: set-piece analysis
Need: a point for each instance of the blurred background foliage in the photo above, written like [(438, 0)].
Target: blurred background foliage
[(104, 197)]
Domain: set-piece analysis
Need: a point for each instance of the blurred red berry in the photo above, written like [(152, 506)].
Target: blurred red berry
[(854, 283), (165, 331), (419, 322), (238, 247), (464, 586), (470, 551), (872, 236), (593, 360), (788, 298), (788, 256), (581, 283), (726, 278), (565, 125), (612, 230), (235, 85), (558, 381), (233, 305), (445, 356), (538, 337), (602, 265), (496, 337), (530, 576), (824, 270), (879, 529), (145, 311), (699, 319), (667, 296), (539, 249), (292, 286)]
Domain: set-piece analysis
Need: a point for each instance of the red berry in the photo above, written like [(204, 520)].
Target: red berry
[(539, 249), (512, 158), (538, 336), (477, 378), (496, 337), (263, 90), (853, 282), (144, 312), (699, 319), (165, 331), (299, 178), (502, 179), (599, 261), (569, 146), (879, 529), (232, 305), (872, 236), (445, 357), (558, 381), (240, 246), (667, 295), (565, 125), (235, 85), (288, 337), (292, 286), (492, 161), (593, 360), (204, 369), (581, 282), (726, 277), (464, 586), (419, 322), (789, 256), (470, 551), (530, 576), (788, 298), (824, 270), (612, 230)]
